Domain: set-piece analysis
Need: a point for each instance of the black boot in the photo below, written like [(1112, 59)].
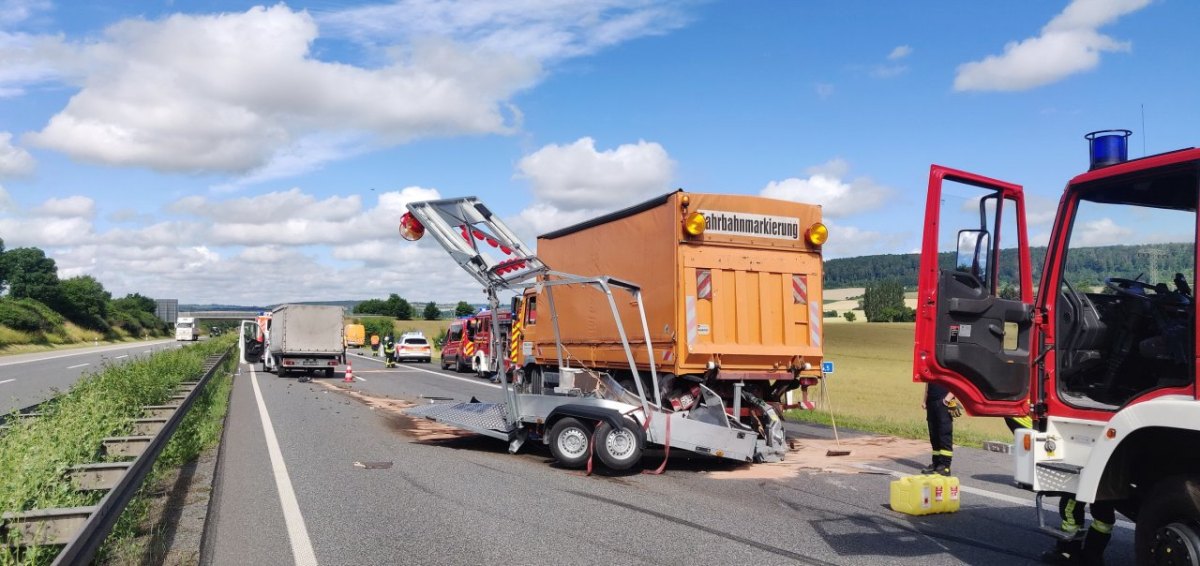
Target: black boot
[(1093, 547), (1065, 552)]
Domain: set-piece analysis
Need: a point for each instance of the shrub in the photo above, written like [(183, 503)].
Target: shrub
[(831, 314), (28, 315), (849, 316)]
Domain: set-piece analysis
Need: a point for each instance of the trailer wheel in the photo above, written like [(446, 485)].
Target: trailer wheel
[(569, 441), (619, 449), (1168, 523)]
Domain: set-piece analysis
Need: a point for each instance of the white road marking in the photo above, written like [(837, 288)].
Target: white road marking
[(119, 357), (147, 351), (985, 493), (302, 550), (440, 374), (359, 378), (78, 366), (73, 354), (6, 381)]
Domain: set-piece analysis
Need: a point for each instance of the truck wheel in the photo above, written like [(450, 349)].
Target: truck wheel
[(619, 449), (1168, 523), (445, 364), (459, 367), (569, 440)]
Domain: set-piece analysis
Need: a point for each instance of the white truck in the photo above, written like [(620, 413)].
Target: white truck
[(305, 338), (185, 329)]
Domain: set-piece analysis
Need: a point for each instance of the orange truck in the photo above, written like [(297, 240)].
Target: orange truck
[(732, 296)]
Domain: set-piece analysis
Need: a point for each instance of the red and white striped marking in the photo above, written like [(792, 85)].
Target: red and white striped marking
[(704, 284), (668, 355), (692, 327), (800, 289)]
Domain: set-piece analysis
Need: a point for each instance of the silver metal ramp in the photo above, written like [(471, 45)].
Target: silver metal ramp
[(488, 419)]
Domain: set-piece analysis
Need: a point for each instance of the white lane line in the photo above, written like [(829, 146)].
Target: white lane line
[(440, 374), (119, 357), (78, 366), (984, 493), (147, 351), (302, 550), (359, 378), (6, 381), (71, 355)]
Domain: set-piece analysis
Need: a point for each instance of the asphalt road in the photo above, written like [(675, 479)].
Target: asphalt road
[(467, 501), (28, 379)]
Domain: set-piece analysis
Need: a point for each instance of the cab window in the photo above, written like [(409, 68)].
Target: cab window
[(531, 311)]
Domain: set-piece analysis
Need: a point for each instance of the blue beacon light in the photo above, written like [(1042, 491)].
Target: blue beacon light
[(1108, 147)]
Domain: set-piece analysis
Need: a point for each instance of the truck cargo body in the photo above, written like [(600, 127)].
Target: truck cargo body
[(739, 302), (307, 337), (185, 329)]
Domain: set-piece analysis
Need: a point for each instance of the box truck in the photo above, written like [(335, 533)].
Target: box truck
[(185, 329), (305, 338), (733, 299)]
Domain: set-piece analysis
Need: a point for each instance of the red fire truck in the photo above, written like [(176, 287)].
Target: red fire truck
[(468, 343), (1102, 354)]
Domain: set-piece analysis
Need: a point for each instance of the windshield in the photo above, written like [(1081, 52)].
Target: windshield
[(1125, 314)]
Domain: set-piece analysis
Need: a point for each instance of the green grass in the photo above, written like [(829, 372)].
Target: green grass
[(872, 387), (36, 453)]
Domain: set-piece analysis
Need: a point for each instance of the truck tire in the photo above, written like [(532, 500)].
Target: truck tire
[(569, 439), (445, 364), (1168, 523), (459, 367), (619, 449)]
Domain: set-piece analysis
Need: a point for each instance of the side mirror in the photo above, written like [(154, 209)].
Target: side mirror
[(972, 257)]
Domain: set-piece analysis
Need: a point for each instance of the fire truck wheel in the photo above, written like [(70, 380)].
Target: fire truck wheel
[(1168, 523), (619, 449), (569, 440), (459, 367)]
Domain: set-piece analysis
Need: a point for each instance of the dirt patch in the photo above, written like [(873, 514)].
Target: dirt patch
[(422, 430), (808, 455)]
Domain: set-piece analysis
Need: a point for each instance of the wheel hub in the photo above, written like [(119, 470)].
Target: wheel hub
[(620, 443), (1177, 543), (572, 441)]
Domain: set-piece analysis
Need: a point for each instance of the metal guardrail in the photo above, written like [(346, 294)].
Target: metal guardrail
[(29, 412), (83, 529)]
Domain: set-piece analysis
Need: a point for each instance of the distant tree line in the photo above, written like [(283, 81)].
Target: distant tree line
[(37, 301), (1086, 267)]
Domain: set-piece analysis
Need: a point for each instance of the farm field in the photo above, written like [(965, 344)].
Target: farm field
[(872, 388)]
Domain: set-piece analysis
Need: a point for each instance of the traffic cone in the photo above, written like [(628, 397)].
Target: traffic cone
[(349, 373)]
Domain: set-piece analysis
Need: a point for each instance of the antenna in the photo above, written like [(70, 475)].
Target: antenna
[(1143, 105)]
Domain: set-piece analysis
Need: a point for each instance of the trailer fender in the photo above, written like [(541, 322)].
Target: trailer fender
[(587, 412)]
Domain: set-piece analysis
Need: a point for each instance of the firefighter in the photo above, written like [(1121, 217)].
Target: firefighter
[(1087, 549), (389, 352), (940, 409)]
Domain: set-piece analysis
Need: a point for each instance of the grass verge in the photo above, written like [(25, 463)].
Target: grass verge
[(35, 453), (872, 388)]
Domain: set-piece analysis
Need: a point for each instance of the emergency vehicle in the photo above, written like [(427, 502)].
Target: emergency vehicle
[(478, 332), (1106, 369)]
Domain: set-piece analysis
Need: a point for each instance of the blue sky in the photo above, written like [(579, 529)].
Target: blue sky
[(226, 152)]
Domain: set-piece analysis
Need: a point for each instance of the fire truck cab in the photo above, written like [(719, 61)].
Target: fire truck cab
[(1102, 355)]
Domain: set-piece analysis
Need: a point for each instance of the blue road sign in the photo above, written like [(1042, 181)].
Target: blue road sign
[(827, 367)]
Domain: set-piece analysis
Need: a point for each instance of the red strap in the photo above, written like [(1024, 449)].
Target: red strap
[(666, 450), (591, 451)]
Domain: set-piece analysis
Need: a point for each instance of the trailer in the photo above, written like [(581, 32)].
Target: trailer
[(586, 410)]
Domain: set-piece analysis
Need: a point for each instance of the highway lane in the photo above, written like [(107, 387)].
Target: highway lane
[(26, 379), (467, 501)]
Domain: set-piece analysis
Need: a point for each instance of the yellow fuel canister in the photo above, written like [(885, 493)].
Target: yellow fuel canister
[(925, 495)]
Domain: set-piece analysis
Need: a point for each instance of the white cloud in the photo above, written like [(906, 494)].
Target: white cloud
[(16, 11), (73, 206), (577, 176), (1100, 232), (572, 183), (900, 52), (826, 186), (824, 90), (291, 256), (1069, 44), (234, 92), (14, 161), (545, 30), (851, 241)]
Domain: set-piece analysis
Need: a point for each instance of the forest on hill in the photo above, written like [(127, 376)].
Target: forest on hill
[(1085, 266)]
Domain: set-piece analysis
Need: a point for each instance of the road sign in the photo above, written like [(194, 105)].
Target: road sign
[(826, 367)]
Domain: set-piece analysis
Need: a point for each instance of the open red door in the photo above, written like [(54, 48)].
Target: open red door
[(973, 305)]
